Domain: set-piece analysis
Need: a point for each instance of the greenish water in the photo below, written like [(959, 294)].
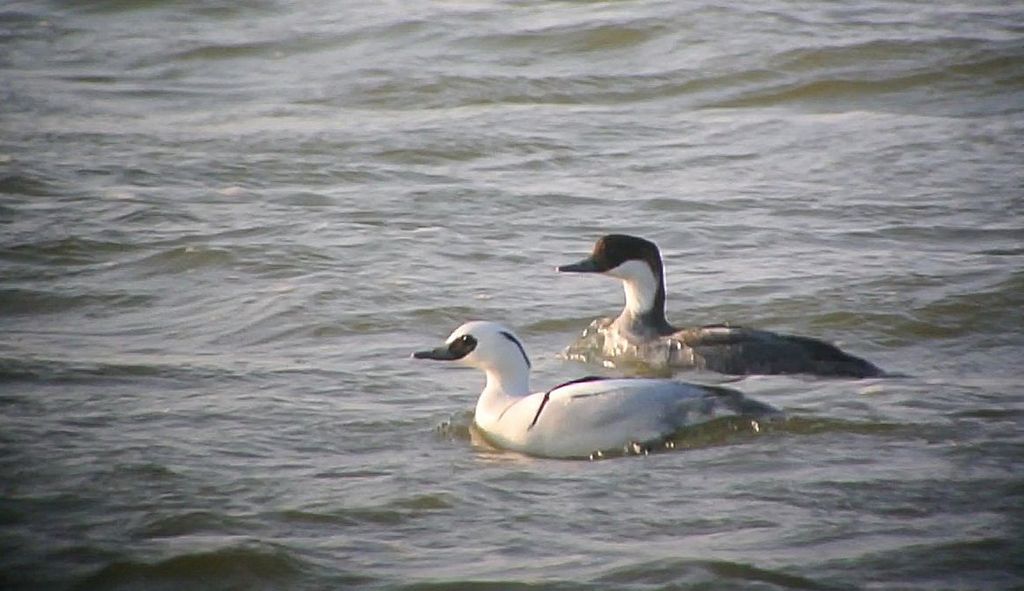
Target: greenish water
[(225, 226)]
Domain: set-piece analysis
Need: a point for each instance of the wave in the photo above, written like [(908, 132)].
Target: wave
[(712, 573), (248, 566), (90, 371), (979, 562), (597, 35), (393, 513), (17, 302), (67, 252), (679, 573), (222, 10), (184, 259), (21, 184), (862, 75)]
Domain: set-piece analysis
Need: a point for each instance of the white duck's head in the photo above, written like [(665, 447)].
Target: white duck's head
[(491, 347), (637, 263)]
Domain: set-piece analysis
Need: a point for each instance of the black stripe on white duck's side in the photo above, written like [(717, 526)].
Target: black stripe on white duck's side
[(583, 417), (641, 331)]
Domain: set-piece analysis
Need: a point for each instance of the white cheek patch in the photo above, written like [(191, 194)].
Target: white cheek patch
[(640, 284)]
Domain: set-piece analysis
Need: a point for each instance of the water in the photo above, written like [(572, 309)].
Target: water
[(226, 225)]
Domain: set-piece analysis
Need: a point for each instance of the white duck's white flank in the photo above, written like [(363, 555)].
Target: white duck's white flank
[(581, 417)]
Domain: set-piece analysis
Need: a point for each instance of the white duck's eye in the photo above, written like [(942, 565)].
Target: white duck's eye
[(462, 345)]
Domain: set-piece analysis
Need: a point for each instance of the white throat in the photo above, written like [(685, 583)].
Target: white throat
[(513, 382), (508, 379), (639, 283), (503, 389)]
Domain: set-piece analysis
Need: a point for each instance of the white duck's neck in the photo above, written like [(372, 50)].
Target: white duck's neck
[(506, 384), (515, 384)]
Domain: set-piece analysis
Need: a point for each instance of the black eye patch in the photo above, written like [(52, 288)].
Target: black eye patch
[(462, 346)]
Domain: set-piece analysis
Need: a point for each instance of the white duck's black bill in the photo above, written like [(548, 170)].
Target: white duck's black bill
[(456, 349), (439, 354)]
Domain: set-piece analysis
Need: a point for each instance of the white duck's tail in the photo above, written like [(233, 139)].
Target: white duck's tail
[(737, 402)]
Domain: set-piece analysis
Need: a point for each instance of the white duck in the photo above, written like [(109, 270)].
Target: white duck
[(642, 333), (581, 417)]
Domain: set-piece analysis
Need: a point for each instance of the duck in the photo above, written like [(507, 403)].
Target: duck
[(642, 334), (583, 418)]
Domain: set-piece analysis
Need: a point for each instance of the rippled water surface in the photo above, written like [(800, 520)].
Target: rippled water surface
[(225, 225)]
